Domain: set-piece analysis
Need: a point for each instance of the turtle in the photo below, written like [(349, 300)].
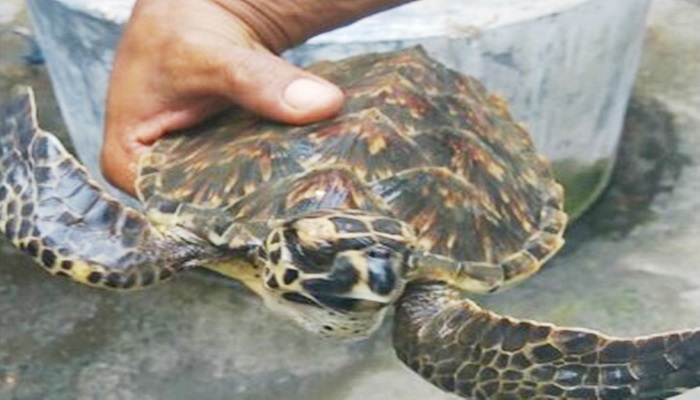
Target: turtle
[(421, 191)]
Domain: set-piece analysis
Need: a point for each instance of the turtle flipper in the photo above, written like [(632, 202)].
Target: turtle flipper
[(53, 210), (474, 353)]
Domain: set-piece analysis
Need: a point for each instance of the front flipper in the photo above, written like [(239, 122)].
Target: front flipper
[(477, 354), (53, 210)]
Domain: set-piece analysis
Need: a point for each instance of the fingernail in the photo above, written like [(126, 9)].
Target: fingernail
[(309, 94)]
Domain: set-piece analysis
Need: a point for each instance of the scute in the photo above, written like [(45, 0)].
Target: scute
[(415, 141)]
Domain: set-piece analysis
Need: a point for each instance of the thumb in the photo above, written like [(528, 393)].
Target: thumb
[(272, 87)]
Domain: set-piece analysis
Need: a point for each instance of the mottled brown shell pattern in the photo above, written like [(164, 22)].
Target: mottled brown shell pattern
[(415, 141)]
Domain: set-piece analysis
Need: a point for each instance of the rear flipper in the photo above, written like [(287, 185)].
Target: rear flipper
[(474, 353), (53, 210)]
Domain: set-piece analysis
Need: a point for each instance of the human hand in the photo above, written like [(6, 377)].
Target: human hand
[(181, 61)]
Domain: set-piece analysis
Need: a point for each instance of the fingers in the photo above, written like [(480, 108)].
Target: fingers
[(271, 87), (166, 79)]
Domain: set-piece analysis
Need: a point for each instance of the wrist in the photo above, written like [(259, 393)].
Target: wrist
[(282, 24)]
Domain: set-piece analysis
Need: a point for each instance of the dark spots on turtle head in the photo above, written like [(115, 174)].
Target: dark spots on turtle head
[(219, 226), (94, 277), (290, 276), (25, 228), (341, 279), (48, 258), (3, 193), (66, 265), (309, 259), (272, 282), (382, 279), (349, 225), (379, 253), (33, 248), (355, 243), (276, 238), (299, 299), (27, 210), (276, 256), (261, 254), (392, 244), (387, 226), (328, 328)]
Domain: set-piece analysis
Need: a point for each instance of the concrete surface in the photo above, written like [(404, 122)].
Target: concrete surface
[(630, 268)]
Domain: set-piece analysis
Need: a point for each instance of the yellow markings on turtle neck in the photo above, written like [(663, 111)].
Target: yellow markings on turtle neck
[(242, 271)]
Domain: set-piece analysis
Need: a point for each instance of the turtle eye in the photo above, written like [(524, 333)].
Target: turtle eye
[(380, 253)]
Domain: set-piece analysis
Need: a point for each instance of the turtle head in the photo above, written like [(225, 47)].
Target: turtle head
[(336, 272)]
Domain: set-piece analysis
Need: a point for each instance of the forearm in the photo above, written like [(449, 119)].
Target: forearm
[(281, 24)]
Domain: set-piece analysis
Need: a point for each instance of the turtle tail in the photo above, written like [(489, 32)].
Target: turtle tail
[(477, 354), (53, 210)]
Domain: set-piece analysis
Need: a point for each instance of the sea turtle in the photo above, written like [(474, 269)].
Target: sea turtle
[(422, 189)]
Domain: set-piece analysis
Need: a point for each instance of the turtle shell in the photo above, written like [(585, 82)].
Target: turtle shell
[(415, 141)]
